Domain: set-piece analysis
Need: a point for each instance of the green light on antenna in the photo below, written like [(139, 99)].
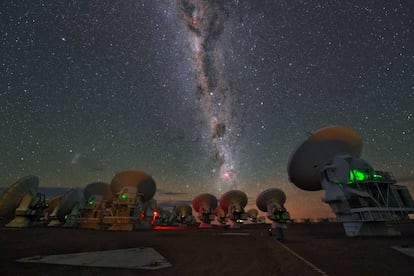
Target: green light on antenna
[(123, 196), (91, 202), (357, 175), (376, 176)]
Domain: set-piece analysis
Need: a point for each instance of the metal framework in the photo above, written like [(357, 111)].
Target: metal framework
[(364, 200)]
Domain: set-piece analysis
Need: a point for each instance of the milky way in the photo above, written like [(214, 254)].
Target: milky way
[(205, 21), (92, 88)]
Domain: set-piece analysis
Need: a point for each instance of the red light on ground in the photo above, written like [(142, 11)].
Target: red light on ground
[(169, 227)]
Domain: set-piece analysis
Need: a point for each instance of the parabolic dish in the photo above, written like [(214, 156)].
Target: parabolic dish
[(306, 163), (142, 181), (98, 188), (183, 211), (252, 213), (206, 200), (69, 201), (10, 199), (270, 195), (235, 197)]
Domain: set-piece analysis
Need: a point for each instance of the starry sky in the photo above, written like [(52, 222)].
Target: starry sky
[(206, 96)]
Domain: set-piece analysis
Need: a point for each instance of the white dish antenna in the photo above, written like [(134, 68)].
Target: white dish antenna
[(204, 205), (184, 214), (272, 202), (362, 199), (204, 202), (252, 214), (11, 198), (72, 199), (144, 183), (183, 211), (235, 199), (233, 202), (98, 189), (307, 162), (270, 196)]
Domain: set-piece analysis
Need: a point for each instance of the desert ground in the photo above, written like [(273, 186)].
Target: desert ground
[(309, 249)]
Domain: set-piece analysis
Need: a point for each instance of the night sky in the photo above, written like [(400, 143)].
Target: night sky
[(205, 97)]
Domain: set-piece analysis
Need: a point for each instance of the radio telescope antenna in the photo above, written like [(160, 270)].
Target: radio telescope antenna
[(100, 189), (11, 198), (98, 196), (184, 214), (133, 205), (22, 204), (252, 215), (233, 202), (70, 208), (272, 202), (363, 199), (204, 205)]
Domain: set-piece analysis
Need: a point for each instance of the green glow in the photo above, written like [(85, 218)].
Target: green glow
[(66, 217), (124, 196), (376, 176), (357, 175), (285, 216), (91, 202), (282, 216)]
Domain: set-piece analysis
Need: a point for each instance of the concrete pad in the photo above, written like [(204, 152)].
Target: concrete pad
[(409, 251), (131, 258)]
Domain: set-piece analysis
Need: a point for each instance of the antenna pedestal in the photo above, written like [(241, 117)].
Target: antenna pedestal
[(364, 200), (19, 222), (124, 212)]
